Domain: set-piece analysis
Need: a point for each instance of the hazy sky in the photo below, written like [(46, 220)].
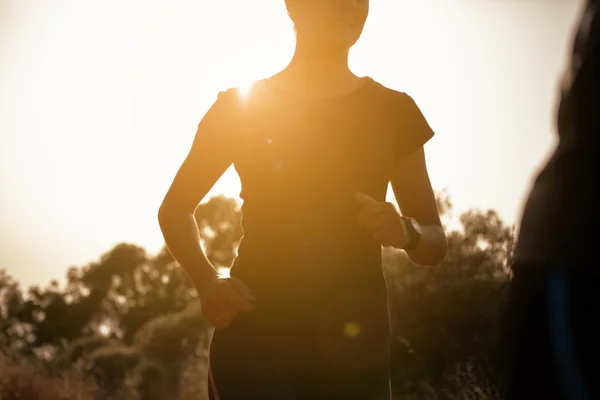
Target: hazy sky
[(99, 102)]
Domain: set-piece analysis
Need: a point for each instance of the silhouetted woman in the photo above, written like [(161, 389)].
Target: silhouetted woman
[(304, 314)]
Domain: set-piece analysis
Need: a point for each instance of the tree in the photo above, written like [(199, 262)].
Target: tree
[(168, 341), (219, 222), (446, 319), (12, 334)]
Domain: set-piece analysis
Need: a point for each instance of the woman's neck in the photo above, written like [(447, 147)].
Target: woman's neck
[(320, 68)]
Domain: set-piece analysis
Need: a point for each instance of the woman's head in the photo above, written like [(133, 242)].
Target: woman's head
[(329, 23)]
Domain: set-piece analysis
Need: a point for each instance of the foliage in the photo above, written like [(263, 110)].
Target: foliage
[(219, 223)]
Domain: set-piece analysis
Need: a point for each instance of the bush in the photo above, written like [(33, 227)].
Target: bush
[(24, 380)]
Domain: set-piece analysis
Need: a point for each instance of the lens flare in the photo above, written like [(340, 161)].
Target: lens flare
[(351, 329)]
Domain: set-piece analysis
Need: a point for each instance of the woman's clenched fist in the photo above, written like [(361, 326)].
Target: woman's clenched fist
[(223, 298), (382, 220)]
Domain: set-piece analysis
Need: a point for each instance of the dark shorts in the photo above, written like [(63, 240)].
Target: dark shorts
[(336, 352), (552, 333)]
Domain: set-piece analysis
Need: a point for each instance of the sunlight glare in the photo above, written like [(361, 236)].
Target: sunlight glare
[(245, 88), (223, 272)]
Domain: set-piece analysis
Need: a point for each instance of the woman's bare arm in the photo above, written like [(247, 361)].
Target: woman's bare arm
[(416, 199), (210, 156)]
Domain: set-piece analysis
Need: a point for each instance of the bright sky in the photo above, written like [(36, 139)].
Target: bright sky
[(99, 102)]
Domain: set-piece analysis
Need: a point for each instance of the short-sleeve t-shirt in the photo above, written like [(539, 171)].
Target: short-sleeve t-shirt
[(300, 160)]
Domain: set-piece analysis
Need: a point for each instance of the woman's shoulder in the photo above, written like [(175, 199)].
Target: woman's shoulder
[(244, 93), (390, 94), (398, 103)]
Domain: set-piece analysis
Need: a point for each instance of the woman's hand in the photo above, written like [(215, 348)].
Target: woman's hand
[(382, 220), (223, 298)]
